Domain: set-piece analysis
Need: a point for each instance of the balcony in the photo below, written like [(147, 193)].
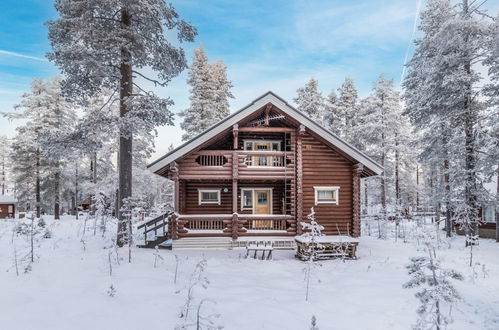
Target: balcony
[(219, 165)]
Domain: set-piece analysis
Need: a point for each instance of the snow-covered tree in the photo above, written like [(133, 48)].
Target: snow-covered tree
[(209, 95), (382, 130), (310, 101), (443, 103), (104, 44), (4, 163), (38, 160), (344, 110)]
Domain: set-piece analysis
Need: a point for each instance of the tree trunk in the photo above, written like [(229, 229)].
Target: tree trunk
[(125, 150), (497, 202), (94, 181), (57, 179), (470, 158), (397, 172), (38, 197), (76, 192)]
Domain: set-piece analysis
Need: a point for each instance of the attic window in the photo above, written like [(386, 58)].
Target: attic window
[(211, 160)]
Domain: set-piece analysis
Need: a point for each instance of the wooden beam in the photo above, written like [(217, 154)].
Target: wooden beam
[(175, 178), (357, 170), (235, 131), (259, 129), (299, 180), (267, 113)]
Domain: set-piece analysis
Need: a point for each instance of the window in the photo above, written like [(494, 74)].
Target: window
[(209, 196), (489, 213), (326, 195), (247, 199), (11, 209)]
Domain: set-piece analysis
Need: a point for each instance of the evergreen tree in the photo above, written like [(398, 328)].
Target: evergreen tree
[(345, 110), (383, 135), (4, 163), (310, 101), (441, 90), (107, 50), (209, 95)]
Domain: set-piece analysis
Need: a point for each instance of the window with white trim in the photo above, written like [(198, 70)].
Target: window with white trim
[(246, 199), (209, 196), (326, 195), (489, 214)]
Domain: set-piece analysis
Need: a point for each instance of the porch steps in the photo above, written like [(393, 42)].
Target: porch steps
[(226, 243)]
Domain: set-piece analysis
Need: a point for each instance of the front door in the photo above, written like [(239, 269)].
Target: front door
[(262, 199)]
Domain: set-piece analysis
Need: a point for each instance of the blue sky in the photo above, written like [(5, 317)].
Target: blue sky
[(267, 45)]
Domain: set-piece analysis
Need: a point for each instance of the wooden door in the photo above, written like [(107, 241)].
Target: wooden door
[(262, 202)]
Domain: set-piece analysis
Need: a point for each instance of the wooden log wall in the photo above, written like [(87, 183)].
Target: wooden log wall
[(323, 167)]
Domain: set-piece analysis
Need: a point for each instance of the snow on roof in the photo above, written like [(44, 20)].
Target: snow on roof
[(234, 118), (7, 199)]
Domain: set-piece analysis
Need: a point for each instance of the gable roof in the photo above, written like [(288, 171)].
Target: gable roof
[(257, 104)]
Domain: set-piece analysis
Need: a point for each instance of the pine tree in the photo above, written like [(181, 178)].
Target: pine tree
[(310, 101), (209, 95), (492, 117), (105, 44), (380, 131), (4, 163), (345, 110), (441, 90)]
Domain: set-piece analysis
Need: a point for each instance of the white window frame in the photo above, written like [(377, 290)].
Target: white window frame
[(262, 141), (493, 220), (335, 189), (200, 194)]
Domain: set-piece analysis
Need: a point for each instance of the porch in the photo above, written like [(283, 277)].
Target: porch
[(233, 225)]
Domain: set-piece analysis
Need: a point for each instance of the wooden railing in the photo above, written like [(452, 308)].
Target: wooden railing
[(198, 224), (205, 222), (219, 164), (267, 224), (158, 225)]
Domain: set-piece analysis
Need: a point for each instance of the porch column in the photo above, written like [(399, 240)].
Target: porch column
[(235, 173), (175, 178), (356, 172), (176, 204), (299, 180)]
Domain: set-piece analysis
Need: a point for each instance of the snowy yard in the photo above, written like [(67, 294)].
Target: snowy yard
[(69, 283)]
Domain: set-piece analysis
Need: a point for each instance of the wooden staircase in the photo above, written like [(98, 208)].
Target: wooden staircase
[(156, 231)]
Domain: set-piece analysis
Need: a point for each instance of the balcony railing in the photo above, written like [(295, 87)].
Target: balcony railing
[(219, 164)]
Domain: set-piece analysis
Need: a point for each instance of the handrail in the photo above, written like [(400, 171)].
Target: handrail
[(159, 223), (158, 218)]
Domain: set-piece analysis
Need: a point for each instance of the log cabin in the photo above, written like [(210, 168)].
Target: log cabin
[(258, 172)]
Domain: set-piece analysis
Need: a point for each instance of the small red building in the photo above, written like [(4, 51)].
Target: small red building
[(7, 206)]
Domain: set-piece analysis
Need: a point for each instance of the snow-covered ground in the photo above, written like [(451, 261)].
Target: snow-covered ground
[(69, 283)]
